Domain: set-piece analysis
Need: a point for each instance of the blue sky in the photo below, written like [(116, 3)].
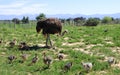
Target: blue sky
[(87, 7)]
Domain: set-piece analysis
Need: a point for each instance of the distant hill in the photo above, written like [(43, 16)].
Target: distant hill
[(32, 17)]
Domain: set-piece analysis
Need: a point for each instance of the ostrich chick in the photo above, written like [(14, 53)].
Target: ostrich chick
[(67, 66), (87, 66), (23, 46), (60, 56), (111, 61), (12, 43), (34, 59), (24, 57), (11, 58), (47, 59)]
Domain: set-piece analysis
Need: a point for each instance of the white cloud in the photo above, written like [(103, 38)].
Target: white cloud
[(22, 7)]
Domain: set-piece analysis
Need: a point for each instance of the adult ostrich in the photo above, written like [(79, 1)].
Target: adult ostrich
[(49, 26)]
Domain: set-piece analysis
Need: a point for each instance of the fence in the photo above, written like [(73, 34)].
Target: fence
[(10, 24)]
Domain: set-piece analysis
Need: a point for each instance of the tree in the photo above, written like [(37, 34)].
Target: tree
[(92, 22), (107, 19), (25, 20), (69, 21), (62, 20), (79, 20), (41, 17), (16, 21), (117, 21)]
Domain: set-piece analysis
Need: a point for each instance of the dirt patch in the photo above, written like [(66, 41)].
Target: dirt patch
[(3, 54), (108, 39), (99, 45), (90, 46), (66, 38), (29, 73), (115, 49), (109, 42), (41, 45), (62, 59), (84, 51), (72, 44), (102, 72), (117, 65)]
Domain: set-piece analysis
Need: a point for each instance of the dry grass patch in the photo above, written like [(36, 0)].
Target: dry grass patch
[(102, 73), (90, 46), (66, 38), (72, 44), (83, 50), (115, 49)]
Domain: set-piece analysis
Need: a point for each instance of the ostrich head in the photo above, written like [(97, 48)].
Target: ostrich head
[(39, 26)]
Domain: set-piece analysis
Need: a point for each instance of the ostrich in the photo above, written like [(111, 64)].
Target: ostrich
[(24, 57), (111, 61), (87, 66), (34, 60), (12, 43), (23, 46), (49, 26), (60, 56), (67, 66), (47, 59), (11, 58)]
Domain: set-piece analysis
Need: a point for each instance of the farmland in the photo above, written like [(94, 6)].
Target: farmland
[(80, 44)]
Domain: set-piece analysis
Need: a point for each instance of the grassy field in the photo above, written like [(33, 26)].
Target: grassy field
[(80, 44)]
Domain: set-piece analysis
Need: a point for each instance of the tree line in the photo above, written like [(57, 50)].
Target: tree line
[(78, 21), (92, 21), (24, 20)]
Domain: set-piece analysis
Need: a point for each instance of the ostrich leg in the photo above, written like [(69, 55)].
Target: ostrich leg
[(48, 39)]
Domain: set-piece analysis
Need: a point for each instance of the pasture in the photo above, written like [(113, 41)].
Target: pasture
[(80, 44)]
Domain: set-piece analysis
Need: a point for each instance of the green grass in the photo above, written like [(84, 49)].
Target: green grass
[(103, 43)]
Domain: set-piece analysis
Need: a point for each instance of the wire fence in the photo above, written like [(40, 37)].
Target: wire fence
[(10, 24)]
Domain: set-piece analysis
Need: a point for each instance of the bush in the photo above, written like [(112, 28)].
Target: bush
[(41, 17), (107, 20), (16, 20), (25, 20), (92, 22)]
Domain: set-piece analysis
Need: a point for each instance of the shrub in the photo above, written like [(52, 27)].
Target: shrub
[(16, 20), (107, 19), (92, 22)]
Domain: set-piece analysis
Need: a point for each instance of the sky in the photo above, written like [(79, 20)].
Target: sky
[(50, 7)]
